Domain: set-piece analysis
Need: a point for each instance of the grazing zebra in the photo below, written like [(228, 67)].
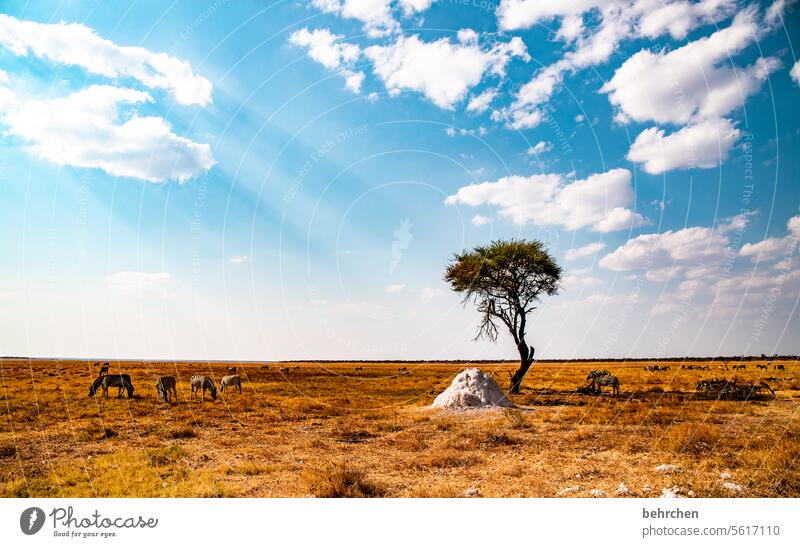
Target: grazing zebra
[(203, 383), (231, 371), (165, 387), (230, 381), (739, 367), (121, 381), (609, 380), (762, 367), (264, 367), (103, 369), (780, 367), (284, 369), (359, 369), (597, 374)]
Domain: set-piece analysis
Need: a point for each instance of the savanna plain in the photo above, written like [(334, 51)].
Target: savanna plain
[(329, 430)]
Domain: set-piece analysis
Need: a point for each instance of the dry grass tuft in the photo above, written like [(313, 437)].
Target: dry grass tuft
[(181, 433), (691, 438), (340, 481), (95, 431)]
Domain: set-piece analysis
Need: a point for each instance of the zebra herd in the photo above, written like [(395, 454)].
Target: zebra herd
[(166, 386)]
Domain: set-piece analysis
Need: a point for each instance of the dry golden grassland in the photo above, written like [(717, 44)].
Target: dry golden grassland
[(329, 430)]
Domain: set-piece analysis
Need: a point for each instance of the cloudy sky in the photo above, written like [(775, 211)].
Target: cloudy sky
[(289, 179)]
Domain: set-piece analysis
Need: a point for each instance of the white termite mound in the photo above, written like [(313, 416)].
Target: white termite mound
[(472, 389)]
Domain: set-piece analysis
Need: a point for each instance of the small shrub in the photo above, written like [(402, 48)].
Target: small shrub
[(95, 431), (516, 418), (165, 456), (447, 459), (502, 439), (250, 469), (181, 433), (691, 438), (340, 481)]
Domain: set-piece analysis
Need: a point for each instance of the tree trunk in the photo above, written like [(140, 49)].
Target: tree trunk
[(525, 360)]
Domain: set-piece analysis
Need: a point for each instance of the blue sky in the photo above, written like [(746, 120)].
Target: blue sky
[(288, 180)]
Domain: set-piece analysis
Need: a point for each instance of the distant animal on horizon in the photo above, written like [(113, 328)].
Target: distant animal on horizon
[(121, 381), (231, 371), (284, 369), (762, 367), (402, 369), (203, 383), (166, 387), (103, 370), (264, 367), (609, 380), (359, 369), (780, 367), (229, 381), (739, 367)]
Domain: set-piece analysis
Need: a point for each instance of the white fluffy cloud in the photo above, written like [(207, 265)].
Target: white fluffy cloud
[(521, 14), (325, 48), (378, 16), (655, 17), (539, 148), (375, 14), (397, 287), (679, 17), (619, 20), (705, 144), (83, 130), (590, 48), (577, 279), (598, 202), (795, 73), (240, 259), (328, 50), (692, 82), (78, 45), (442, 70), (775, 12), (479, 103), (586, 250), (694, 247), (480, 220), (775, 247)]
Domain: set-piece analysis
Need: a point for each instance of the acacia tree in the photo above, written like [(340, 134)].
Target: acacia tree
[(505, 279)]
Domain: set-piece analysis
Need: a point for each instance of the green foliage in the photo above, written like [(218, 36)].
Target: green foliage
[(506, 280)]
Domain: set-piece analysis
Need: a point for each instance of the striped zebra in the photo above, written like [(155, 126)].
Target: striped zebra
[(121, 381), (203, 383), (597, 374), (606, 380), (165, 387), (230, 381)]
